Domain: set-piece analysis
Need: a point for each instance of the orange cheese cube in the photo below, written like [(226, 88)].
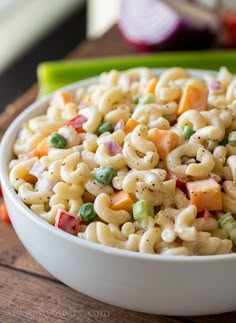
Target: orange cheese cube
[(122, 201), (61, 98), (193, 97), (150, 88), (205, 194), (164, 140), (130, 125)]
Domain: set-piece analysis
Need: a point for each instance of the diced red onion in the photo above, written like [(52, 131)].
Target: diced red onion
[(38, 168), (215, 85), (44, 182), (84, 104), (133, 79), (120, 125), (112, 147)]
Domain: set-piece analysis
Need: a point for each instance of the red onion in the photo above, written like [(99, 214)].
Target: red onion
[(112, 147), (120, 125), (44, 183), (83, 104), (133, 79), (155, 24), (215, 85), (37, 169)]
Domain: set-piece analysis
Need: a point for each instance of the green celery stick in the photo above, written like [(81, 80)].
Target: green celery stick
[(54, 74)]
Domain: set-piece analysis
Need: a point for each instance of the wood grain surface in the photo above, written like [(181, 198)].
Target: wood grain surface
[(28, 293)]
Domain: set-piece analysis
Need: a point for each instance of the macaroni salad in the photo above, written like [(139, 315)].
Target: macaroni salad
[(136, 161)]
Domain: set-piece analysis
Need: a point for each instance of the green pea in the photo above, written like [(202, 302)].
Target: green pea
[(135, 99), (87, 212), (104, 127), (224, 141), (188, 131), (57, 141), (146, 99), (142, 209), (105, 174), (232, 138)]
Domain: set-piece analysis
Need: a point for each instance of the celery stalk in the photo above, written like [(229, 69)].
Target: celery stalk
[(54, 74), (228, 223)]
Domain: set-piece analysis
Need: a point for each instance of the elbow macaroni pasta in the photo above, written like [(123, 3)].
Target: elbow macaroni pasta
[(153, 170)]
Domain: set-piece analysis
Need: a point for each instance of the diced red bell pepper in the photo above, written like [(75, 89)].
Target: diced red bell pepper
[(181, 180), (4, 213), (67, 222), (205, 214), (77, 122)]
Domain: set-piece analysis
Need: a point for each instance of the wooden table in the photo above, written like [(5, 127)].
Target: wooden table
[(28, 293)]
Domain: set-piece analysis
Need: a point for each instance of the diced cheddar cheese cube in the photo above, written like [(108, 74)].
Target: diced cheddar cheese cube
[(164, 140), (205, 194), (193, 97)]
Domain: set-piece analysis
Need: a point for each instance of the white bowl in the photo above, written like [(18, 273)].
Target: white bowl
[(158, 284)]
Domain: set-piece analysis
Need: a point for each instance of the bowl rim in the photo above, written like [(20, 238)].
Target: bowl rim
[(11, 133)]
